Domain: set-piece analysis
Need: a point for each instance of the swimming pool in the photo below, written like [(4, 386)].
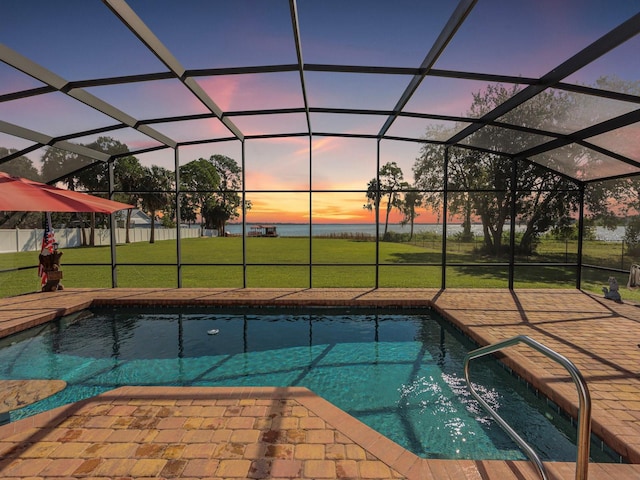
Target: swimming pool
[(398, 371)]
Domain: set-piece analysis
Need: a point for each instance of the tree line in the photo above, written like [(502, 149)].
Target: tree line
[(483, 187), (209, 188)]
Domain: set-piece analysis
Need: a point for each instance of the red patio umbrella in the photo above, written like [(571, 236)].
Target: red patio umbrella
[(19, 194)]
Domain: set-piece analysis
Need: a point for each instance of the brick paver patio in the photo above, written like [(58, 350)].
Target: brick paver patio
[(136, 432)]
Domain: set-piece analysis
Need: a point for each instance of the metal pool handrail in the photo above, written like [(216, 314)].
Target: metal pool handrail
[(584, 405)]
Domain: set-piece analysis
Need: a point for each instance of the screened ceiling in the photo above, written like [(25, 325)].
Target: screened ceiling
[(159, 74)]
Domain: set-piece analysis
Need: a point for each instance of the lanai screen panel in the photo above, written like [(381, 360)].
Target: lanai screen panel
[(74, 70)]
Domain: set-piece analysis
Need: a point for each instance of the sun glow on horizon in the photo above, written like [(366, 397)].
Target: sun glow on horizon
[(326, 208)]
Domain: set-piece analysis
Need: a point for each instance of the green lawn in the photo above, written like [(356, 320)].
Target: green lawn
[(341, 263)]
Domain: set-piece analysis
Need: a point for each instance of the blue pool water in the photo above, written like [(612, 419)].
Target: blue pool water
[(400, 372)]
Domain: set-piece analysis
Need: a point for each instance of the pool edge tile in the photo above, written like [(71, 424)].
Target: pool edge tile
[(394, 455)]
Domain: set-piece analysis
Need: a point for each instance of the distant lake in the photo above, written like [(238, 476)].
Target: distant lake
[(302, 230)]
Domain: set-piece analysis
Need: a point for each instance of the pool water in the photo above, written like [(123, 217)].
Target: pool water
[(398, 371)]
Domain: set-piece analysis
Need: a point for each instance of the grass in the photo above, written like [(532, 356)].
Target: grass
[(341, 263)]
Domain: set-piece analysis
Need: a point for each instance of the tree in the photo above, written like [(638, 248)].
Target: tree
[(62, 165), (628, 189), (632, 235), (94, 177), (198, 180), (155, 196), (18, 167), (480, 182), (79, 171), (390, 183), (128, 174), (410, 204), (372, 195), (227, 199), (464, 173)]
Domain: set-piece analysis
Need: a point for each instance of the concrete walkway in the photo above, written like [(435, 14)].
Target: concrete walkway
[(292, 433)]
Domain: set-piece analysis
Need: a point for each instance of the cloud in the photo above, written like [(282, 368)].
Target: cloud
[(254, 91), (323, 144), (222, 90)]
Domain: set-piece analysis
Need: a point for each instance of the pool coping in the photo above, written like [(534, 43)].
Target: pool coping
[(94, 418), (387, 451)]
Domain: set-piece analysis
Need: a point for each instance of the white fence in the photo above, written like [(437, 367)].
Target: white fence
[(31, 240)]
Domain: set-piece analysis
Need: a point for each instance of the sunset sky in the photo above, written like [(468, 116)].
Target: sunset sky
[(82, 39)]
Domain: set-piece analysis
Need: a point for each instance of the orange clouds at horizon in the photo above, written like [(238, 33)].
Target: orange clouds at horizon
[(345, 208), (356, 218)]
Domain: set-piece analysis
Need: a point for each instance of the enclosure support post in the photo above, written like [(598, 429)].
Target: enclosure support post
[(580, 238), (512, 233), (445, 195), (244, 221), (310, 210), (178, 220), (112, 227), (377, 213)]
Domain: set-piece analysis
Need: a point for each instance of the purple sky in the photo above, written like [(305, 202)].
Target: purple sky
[(81, 39)]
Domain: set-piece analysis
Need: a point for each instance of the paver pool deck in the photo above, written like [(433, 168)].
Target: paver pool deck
[(201, 432)]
